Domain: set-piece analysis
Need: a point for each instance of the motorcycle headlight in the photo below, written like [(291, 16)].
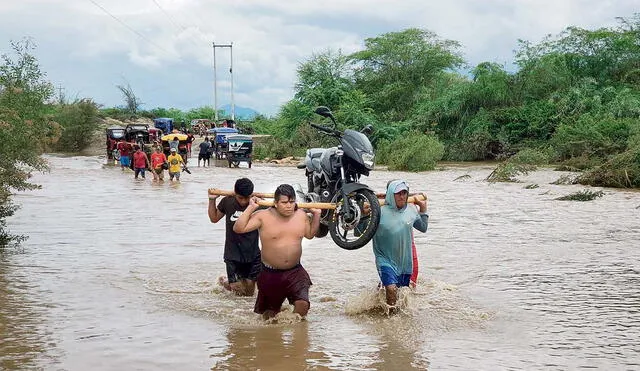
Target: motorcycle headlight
[(367, 158)]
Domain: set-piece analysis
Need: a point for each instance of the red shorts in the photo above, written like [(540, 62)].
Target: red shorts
[(275, 285)]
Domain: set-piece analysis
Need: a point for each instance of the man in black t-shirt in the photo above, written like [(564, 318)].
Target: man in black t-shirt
[(241, 251)]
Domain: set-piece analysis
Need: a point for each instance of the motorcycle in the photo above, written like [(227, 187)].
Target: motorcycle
[(333, 175)]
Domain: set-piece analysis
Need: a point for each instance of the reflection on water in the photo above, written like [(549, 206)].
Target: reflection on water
[(269, 348), (24, 341), (122, 274)]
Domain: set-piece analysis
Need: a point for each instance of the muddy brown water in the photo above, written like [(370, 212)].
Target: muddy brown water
[(122, 275)]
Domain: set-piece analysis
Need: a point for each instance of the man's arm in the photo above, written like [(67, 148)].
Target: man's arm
[(214, 214), (248, 221), (313, 224), (422, 222)]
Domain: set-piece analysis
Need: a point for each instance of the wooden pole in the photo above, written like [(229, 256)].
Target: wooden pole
[(222, 192), (304, 205)]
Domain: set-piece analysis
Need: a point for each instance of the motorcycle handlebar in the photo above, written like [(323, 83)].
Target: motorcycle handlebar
[(324, 129)]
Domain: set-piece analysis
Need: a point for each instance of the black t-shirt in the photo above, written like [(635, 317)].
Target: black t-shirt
[(237, 247)]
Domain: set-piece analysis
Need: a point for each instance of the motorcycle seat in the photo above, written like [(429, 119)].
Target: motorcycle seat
[(315, 152)]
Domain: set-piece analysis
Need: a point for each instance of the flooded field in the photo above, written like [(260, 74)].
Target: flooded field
[(122, 275)]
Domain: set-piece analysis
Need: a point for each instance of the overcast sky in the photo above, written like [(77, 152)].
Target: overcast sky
[(163, 48)]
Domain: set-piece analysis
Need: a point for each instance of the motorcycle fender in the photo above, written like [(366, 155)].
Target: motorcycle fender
[(350, 187)]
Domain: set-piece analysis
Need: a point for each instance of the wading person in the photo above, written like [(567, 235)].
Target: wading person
[(203, 155), (394, 236), (125, 151), (241, 250), (174, 143), (157, 161), (281, 229), (140, 162), (413, 281), (175, 165)]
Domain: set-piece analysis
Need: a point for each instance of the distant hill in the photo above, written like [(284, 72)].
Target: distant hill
[(242, 113)]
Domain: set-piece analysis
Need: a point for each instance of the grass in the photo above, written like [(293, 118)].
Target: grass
[(584, 195), (507, 172)]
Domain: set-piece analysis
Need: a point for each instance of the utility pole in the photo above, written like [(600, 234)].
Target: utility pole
[(60, 96), (215, 81)]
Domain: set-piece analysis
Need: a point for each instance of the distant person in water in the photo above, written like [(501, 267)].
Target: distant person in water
[(241, 250), (174, 143), (157, 162), (125, 150), (140, 162), (281, 229), (175, 165), (393, 240), (203, 154)]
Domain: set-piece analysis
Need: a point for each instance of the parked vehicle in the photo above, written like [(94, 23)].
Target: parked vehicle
[(333, 175), (137, 133), (164, 123), (219, 140), (154, 135), (239, 149), (114, 135)]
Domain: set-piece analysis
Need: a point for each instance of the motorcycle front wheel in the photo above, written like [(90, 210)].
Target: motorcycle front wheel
[(354, 231)]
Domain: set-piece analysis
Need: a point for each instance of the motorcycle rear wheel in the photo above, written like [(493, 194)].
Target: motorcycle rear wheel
[(353, 233)]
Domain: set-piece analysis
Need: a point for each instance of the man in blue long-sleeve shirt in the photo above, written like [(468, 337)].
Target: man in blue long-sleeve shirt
[(392, 241)]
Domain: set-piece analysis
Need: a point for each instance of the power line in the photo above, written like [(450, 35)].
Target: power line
[(129, 27), (169, 17), (175, 24)]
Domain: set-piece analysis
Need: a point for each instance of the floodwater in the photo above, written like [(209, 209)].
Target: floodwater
[(122, 275)]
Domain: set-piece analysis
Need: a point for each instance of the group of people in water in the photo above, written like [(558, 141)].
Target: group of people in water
[(276, 269), (134, 157)]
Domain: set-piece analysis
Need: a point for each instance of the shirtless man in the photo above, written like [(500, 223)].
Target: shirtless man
[(281, 230)]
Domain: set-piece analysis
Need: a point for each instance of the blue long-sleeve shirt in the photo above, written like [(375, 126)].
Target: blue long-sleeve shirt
[(392, 241)]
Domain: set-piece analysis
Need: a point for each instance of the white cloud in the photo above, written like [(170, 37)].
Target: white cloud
[(270, 37)]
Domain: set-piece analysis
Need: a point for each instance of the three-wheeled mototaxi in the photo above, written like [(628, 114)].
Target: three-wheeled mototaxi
[(239, 149), (219, 140), (115, 134)]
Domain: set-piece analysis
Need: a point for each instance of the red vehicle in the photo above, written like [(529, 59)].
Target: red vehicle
[(115, 134), (154, 135)]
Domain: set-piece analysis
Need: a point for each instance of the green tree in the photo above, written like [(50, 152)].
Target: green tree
[(324, 80), (394, 67), (25, 129), (609, 55)]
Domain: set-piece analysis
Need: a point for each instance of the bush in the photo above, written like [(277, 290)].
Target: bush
[(591, 136), (584, 195), (507, 172), (622, 171), (411, 152), (477, 146), (531, 156), (78, 121)]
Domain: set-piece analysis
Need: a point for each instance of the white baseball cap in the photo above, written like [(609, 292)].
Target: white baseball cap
[(401, 187)]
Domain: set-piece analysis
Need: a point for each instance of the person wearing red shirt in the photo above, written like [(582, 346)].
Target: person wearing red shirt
[(157, 160), (140, 162), (125, 151)]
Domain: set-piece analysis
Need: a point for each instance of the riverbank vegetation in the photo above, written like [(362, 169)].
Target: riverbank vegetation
[(32, 121), (574, 100)]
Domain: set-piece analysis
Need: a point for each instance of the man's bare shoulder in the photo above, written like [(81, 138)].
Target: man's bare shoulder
[(300, 213)]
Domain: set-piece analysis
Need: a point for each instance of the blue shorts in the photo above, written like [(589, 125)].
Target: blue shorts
[(125, 161), (389, 277)]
